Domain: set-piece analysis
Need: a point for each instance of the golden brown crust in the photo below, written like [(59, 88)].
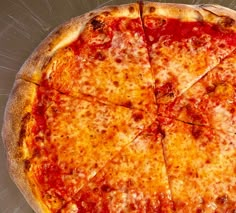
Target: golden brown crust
[(16, 119), (210, 13), (219, 10), (66, 34), (170, 10)]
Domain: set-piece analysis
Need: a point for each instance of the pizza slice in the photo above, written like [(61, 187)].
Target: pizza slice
[(211, 101), (56, 143), (201, 167), (101, 54), (135, 180), (184, 43)]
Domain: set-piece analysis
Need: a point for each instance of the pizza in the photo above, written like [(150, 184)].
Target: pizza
[(128, 108)]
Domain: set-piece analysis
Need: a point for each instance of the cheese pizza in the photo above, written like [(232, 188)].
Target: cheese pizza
[(128, 108)]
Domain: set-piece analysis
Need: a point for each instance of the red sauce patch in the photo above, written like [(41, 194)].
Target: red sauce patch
[(99, 56), (195, 116), (166, 89), (176, 30), (39, 117), (91, 201), (39, 110), (50, 177), (48, 174)]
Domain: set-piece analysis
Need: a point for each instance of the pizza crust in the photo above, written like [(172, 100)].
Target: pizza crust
[(66, 34), (170, 10), (215, 14), (18, 108), (218, 10)]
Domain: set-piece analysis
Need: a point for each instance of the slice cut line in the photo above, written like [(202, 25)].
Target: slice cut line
[(134, 180), (200, 166), (108, 59), (209, 102), (141, 5), (184, 43), (61, 137)]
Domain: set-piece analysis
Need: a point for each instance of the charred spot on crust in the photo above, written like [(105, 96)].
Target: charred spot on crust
[(46, 62), (106, 13), (56, 34), (36, 57), (152, 9), (23, 130), (22, 135), (131, 9), (91, 14), (115, 8), (227, 22), (58, 31), (96, 24)]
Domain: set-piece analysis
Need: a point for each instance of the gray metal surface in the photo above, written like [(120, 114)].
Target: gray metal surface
[(23, 24)]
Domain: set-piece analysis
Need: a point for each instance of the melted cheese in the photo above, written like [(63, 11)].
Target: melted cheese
[(112, 65), (211, 101), (173, 63), (80, 138), (201, 167), (134, 180)]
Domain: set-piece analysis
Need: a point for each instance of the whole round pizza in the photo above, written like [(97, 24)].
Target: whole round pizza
[(128, 108)]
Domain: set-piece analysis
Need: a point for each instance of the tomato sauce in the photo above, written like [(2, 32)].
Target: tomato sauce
[(176, 30)]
